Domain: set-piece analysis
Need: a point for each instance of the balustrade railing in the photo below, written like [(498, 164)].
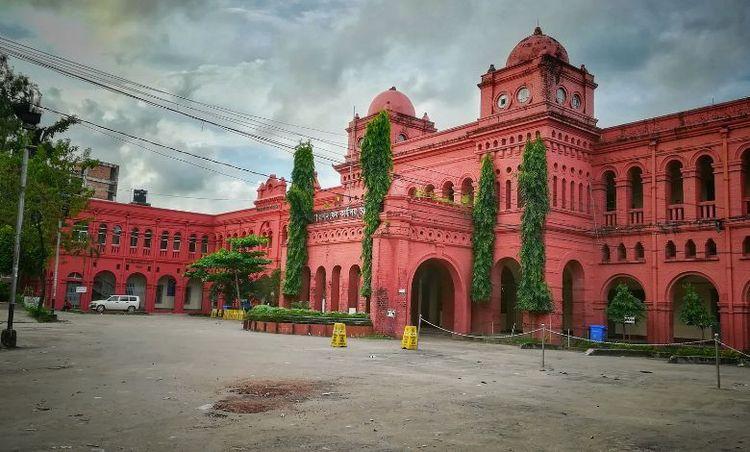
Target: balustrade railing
[(676, 212), (636, 216), (707, 210), (610, 218)]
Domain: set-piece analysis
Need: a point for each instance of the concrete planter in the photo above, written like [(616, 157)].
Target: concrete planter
[(358, 330), (318, 329), (286, 328), (302, 329), (329, 330), (260, 326), (271, 327)]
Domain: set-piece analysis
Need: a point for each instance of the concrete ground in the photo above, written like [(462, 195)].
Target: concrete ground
[(117, 382)]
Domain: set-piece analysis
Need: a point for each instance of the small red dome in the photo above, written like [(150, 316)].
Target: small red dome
[(393, 100), (535, 46)]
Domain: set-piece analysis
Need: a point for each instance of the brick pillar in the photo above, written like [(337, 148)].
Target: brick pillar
[(150, 301), (179, 297), (621, 190), (690, 190)]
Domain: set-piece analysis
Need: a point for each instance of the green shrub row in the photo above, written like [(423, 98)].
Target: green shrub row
[(265, 313)]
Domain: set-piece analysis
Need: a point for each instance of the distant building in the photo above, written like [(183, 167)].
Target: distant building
[(654, 204), (103, 180)]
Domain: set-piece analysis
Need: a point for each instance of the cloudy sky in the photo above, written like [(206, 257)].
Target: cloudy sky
[(311, 63)]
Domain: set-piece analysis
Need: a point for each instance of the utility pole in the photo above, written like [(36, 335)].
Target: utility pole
[(29, 113)]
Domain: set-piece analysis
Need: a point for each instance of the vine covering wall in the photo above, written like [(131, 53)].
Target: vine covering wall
[(376, 161), (300, 199), (533, 292), (484, 217)]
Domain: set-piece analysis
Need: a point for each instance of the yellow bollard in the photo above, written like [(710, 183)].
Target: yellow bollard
[(338, 339), (213, 313), (409, 339)]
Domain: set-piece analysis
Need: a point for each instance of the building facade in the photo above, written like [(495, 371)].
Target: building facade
[(653, 204)]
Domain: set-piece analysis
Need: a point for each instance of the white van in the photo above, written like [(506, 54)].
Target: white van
[(117, 303)]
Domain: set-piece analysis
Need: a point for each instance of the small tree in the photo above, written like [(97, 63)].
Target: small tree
[(231, 271), (484, 217), (623, 306), (694, 312), (376, 161)]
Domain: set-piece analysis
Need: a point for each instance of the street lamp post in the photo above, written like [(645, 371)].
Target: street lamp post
[(30, 114)]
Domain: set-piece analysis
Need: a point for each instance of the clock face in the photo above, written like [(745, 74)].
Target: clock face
[(575, 102), (561, 96), (523, 95), (502, 101)]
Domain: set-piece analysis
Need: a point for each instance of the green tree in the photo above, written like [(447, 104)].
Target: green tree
[(266, 288), (484, 217), (533, 292), (694, 311), (231, 271), (55, 189), (623, 306), (300, 200), (376, 161)]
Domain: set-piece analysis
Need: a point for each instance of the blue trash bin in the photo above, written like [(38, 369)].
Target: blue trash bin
[(598, 333)]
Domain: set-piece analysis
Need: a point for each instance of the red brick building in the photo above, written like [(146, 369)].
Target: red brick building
[(654, 204)]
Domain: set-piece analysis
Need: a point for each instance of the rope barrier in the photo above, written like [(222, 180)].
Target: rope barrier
[(476, 336), (666, 344), (734, 349)]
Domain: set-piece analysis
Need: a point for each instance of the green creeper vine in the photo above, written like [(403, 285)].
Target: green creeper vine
[(300, 199), (533, 292), (484, 217), (376, 162)]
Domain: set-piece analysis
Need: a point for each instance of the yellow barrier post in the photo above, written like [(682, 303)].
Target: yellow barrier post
[(338, 339), (409, 339)]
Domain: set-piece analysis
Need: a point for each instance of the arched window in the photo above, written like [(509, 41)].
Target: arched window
[(746, 246), (401, 137), (689, 249), (508, 191), (610, 192), (572, 195), (605, 253), (429, 191), (116, 233), (176, 242), (588, 198), (147, 239), (81, 230), (564, 193), (554, 191), (192, 241), (640, 253), (285, 234), (134, 238), (102, 237), (710, 248), (670, 251), (412, 192), (674, 183), (622, 252), (204, 244), (467, 192), (580, 197), (746, 181), (635, 182), (164, 242), (448, 192), (705, 167)]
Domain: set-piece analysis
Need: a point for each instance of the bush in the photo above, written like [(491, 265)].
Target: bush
[(40, 313), (265, 313)]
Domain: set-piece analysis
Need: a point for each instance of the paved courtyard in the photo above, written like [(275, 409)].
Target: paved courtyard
[(117, 382)]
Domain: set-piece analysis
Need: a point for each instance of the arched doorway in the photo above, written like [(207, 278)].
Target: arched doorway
[(136, 285), (304, 288), (433, 293), (72, 295), (193, 294), (573, 298), (320, 290), (335, 284), (510, 317), (639, 329), (104, 285), (165, 291), (708, 295), (353, 294)]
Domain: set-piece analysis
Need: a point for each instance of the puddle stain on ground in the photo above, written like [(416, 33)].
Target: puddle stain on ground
[(258, 396)]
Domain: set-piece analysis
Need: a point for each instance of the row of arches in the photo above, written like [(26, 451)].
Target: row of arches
[(104, 284), (145, 238), (326, 294), (435, 281), (710, 251)]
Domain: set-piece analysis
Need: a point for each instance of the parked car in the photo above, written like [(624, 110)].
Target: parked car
[(117, 303)]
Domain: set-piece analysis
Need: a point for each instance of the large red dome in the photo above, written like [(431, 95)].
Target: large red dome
[(393, 100), (536, 45)]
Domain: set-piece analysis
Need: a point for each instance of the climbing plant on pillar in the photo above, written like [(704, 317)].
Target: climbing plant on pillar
[(300, 200), (533, 292), (484, 217), (376, 161)]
